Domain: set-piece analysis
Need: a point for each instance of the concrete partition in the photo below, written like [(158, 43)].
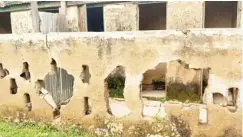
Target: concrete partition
[(185, 14), (137, 52), (121, 17)]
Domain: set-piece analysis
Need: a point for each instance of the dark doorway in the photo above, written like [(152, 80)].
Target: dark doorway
[(152, 16), (5, 23), (220, 14), (95, 19)]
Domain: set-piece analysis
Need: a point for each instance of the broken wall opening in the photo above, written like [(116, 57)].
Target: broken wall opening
[(154, 82), (85, 75), (116, 82), (27, 101), (220, 14), (205, 78), (218, 98), (87, 108), (95, 21), (232, 94), (183, 83), (25, 71), (5, 23), (152, 16), (56, 88), (114, 89), (13, 86), (3, 71)]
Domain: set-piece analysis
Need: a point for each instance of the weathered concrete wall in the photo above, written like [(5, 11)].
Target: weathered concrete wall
[(21, 22), (221, 50), (185, 14), (121, 17), (73, 18)]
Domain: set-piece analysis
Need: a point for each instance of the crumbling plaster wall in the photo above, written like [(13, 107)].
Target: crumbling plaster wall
[(220, 50), (185, 14), (121, 17), (158, 72)]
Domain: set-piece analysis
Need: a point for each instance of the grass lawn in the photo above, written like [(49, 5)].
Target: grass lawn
[(8, 129)]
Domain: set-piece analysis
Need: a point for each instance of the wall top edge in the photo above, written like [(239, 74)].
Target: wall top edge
[(123, 34)]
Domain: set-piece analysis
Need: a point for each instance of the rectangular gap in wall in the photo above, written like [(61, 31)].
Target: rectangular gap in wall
[(86, 106), (5, 23), (95, 19), (152, 16), (220, 14), (233, 92)]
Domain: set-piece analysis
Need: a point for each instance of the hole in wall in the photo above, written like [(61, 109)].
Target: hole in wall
[(27, 101), (153, 83), (87, 108), (3, 72), (13, 86), (116, 82), (25, 71), (85, 75), (47, 96), (114, 89), (218, 98), (232, 94), (220, 14), (183, 83), (205, 79), (152, 16), (5, 24), (56, 88)]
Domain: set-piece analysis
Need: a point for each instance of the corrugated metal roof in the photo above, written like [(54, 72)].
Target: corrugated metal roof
[(14, 3), (10, 3)]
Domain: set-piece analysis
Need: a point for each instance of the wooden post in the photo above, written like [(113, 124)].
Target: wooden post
[(35, 16), (63, 8), (62, 22)]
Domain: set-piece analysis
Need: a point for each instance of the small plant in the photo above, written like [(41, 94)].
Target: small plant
[(163, 99), (158, 118), (116, 86)]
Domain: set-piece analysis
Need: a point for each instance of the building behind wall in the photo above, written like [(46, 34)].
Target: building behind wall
[(130, 16), (182, 44)]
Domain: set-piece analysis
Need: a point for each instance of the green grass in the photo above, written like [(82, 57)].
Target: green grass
[(9, 129)]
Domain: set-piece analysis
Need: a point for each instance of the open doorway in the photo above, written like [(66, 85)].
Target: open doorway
[(152, 16), (153, 83), (95, 19), (220, 14), (5, 23)]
